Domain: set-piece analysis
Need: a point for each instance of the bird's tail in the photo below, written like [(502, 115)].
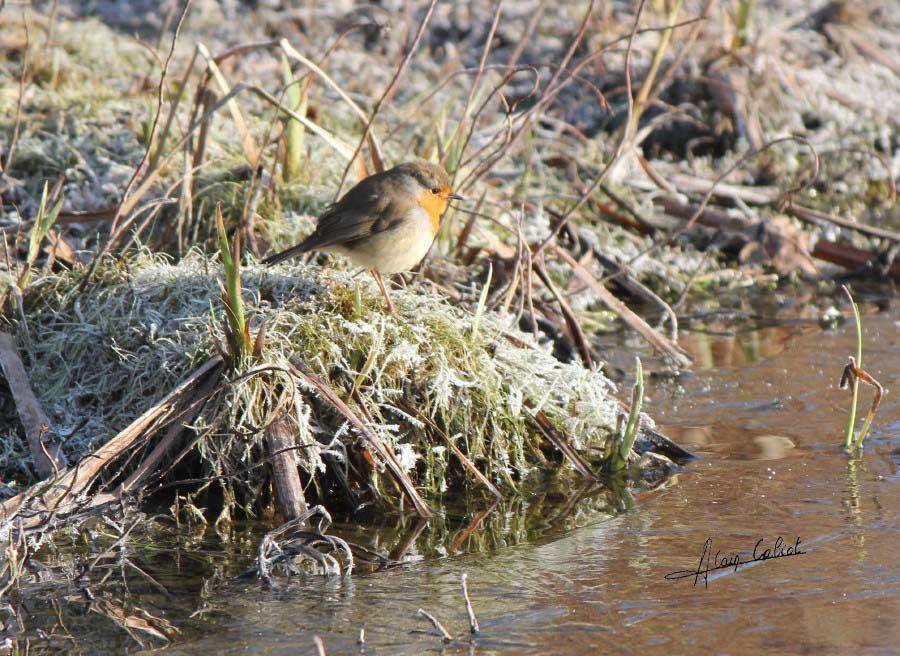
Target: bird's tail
[(293, 251)]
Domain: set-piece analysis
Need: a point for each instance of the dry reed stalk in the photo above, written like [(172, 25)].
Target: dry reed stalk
[(850, 257), (76, 480), (817, 217), (149, 463), (382, 449), (46, 455), (387, 92), (561, 442), (374, 147), (653, 336), (251, 152), (577, 334)]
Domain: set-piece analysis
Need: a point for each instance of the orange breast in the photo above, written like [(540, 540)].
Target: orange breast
[(435, 206)]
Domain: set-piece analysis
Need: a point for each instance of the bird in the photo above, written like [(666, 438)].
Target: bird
[(386, 223)]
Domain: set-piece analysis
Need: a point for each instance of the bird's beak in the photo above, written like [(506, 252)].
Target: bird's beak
[(455, 197)]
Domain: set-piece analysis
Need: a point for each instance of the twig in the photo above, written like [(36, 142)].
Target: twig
[(648, 332), (390, 460), (47, 462), (445, 634), (816, 217), (126, 204), (526, 35), (17, 121), (473, 621), (387, 93), (481, 64), (467, 463), (561, 442), (86, 470), (139, 169), (578, 336), (670, 239), (149, 463), (620, 148)]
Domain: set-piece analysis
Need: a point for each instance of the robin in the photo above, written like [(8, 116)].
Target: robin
[(385, 224)]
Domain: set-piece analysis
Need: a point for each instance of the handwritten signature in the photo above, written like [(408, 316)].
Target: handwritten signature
[(709, 563)]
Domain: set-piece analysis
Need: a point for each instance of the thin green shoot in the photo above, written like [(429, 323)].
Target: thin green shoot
[(742, 24), (854, 398), (295, 99), (374, 350), (42, 224), (482, 301), (619, 454), (237, 330)]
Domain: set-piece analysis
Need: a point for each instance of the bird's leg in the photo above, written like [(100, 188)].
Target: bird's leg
[(387, 298)]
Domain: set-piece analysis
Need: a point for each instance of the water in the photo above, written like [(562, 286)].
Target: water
[(549, 580)]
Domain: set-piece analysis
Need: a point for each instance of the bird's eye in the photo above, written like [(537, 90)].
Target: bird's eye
[(436, 190)]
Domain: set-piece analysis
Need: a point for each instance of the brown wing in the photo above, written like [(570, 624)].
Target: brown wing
[(365, 210)]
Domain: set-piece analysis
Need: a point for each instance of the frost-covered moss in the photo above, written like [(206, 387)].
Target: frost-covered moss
[(99, 358)]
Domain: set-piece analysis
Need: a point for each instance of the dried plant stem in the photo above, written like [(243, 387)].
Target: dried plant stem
[(374, 146), (473, 621), (48, 460), (151, 140), (250, 151), (526, 35), (127, 204), (604, 172), (698, 212), (20, 97), (561, 442), (77, 479), (445, 634), (474, 86), (657, 340), (387, 92), (467, 463), (853, 374), (382, 449), (578, 336), (640, 101)]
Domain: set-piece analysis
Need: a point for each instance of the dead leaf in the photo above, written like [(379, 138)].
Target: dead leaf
[(778, 243)]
